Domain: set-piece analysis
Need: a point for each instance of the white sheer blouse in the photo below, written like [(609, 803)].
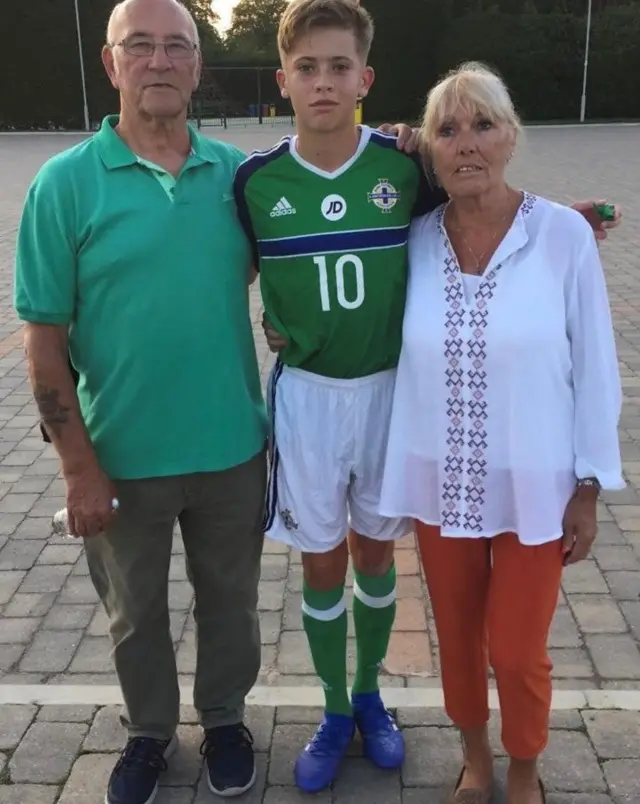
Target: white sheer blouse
[(507, 393)]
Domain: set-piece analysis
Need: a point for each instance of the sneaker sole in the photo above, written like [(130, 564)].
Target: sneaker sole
[(232, 792), (168, 753)]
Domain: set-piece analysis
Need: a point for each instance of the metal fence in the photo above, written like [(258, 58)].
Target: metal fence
[(240, 96)]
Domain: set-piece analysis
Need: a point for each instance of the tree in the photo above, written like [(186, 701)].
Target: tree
[(254, 27), (206, 19)]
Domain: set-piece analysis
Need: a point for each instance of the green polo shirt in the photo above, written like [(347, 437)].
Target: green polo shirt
[(150, 276)]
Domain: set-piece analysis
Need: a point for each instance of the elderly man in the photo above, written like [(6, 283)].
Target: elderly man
[(130, 259)]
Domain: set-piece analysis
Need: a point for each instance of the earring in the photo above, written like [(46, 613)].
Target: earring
[(284, 93)]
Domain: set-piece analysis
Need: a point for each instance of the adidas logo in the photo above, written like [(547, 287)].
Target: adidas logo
[(283, 207)]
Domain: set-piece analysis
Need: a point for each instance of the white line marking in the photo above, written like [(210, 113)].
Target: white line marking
[(394, 697)]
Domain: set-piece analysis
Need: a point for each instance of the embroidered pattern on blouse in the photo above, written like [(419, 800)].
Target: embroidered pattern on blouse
[(466, 446)]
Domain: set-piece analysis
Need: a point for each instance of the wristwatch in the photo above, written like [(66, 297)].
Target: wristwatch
[(589, 481)]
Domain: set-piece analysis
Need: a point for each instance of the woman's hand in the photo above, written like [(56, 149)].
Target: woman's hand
[(275, 341), (579, 525)]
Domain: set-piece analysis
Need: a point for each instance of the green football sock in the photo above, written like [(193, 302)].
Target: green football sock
[(324, 616), (374, 610)]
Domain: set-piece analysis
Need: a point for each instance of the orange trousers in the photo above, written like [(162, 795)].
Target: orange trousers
[(493, 602)]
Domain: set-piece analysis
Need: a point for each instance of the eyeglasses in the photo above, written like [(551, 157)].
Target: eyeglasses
[(145, 48)]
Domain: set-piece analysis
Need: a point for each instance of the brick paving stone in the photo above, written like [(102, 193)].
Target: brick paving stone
[(60, 554), (10, 580), (585, 578), (47, 752), (78, 590), (29, 605), (274, 567), (624, 585), (66, 714), (631, 612), (67, 617), (596, 615), (271, 595), (51, 651), (19, 555), (360, 783), (615, 655), (288, 741), (180, 595), (270, 627), (28, 794), (87, 782), (623, 779), (93, 656), (434, 757), (17, 630), (570, 764), (564, 631), (571, 663), (14, 722), (615, 735), (107, 733), (45, 579), (9, 655)]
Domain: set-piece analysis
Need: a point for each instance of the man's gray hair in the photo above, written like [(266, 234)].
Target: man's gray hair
[(120, 7)]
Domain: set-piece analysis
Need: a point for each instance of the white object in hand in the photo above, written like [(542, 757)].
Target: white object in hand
[(60, 522)]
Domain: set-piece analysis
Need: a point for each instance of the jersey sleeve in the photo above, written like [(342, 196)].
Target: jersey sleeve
[(241, 178), (46, 251), (429, 195)]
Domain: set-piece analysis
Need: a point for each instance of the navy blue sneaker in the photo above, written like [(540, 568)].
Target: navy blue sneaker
[(318, 765), (228, 753), (134, 780), (382, 740)]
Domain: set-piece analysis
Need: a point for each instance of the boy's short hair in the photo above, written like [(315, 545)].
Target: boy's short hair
[(302, 16)]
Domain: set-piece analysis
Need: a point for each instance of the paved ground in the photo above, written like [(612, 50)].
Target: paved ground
[(53, 633)]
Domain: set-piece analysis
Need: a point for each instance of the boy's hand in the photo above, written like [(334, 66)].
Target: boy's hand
[(407, 136), (275, 341), (600, 227)]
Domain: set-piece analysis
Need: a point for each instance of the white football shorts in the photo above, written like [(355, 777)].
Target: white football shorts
[(327, 454)]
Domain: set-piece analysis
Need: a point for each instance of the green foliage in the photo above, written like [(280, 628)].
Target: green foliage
[(254, 28), (537, 45)]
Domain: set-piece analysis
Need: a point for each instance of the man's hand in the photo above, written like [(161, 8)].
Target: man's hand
[(275, 340), (90, 496), (407, 136), (600, 227)]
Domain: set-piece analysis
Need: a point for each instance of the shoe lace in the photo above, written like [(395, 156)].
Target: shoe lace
[(324, 741), (142, 752), (226, 740)]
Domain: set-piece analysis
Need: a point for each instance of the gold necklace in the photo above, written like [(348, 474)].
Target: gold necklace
[(477, 270)]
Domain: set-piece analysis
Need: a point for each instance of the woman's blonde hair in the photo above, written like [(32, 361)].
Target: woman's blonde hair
[(476, 89)]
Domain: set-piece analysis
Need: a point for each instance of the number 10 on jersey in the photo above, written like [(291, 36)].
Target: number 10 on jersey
[(341, 263)]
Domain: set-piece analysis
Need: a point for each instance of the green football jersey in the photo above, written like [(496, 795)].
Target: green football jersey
[(331, 249)]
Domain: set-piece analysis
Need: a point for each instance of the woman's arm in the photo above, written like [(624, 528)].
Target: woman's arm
[(596, 376)]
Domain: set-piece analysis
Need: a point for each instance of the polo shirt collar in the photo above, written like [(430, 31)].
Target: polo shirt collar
[(115, 153)]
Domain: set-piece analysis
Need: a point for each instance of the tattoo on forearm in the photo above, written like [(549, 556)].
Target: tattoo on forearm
[(54, 414)]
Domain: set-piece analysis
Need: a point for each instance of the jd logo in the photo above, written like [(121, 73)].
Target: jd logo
[(334, 207)]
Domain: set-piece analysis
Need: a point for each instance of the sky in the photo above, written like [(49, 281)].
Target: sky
[(224, 8)]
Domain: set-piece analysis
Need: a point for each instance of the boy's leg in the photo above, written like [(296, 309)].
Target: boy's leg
[(372, 547), (307, 509)]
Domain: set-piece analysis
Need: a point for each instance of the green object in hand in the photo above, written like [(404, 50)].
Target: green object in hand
[(606, 212)]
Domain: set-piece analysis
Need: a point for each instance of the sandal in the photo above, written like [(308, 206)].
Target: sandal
[(469, 796)]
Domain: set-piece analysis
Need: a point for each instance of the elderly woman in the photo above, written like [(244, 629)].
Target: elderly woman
[(504, 425)]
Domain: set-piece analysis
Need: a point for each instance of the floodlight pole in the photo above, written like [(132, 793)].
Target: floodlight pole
[(83, 79), (583, 101)]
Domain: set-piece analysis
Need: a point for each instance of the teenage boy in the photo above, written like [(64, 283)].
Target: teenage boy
[(328, 213)]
